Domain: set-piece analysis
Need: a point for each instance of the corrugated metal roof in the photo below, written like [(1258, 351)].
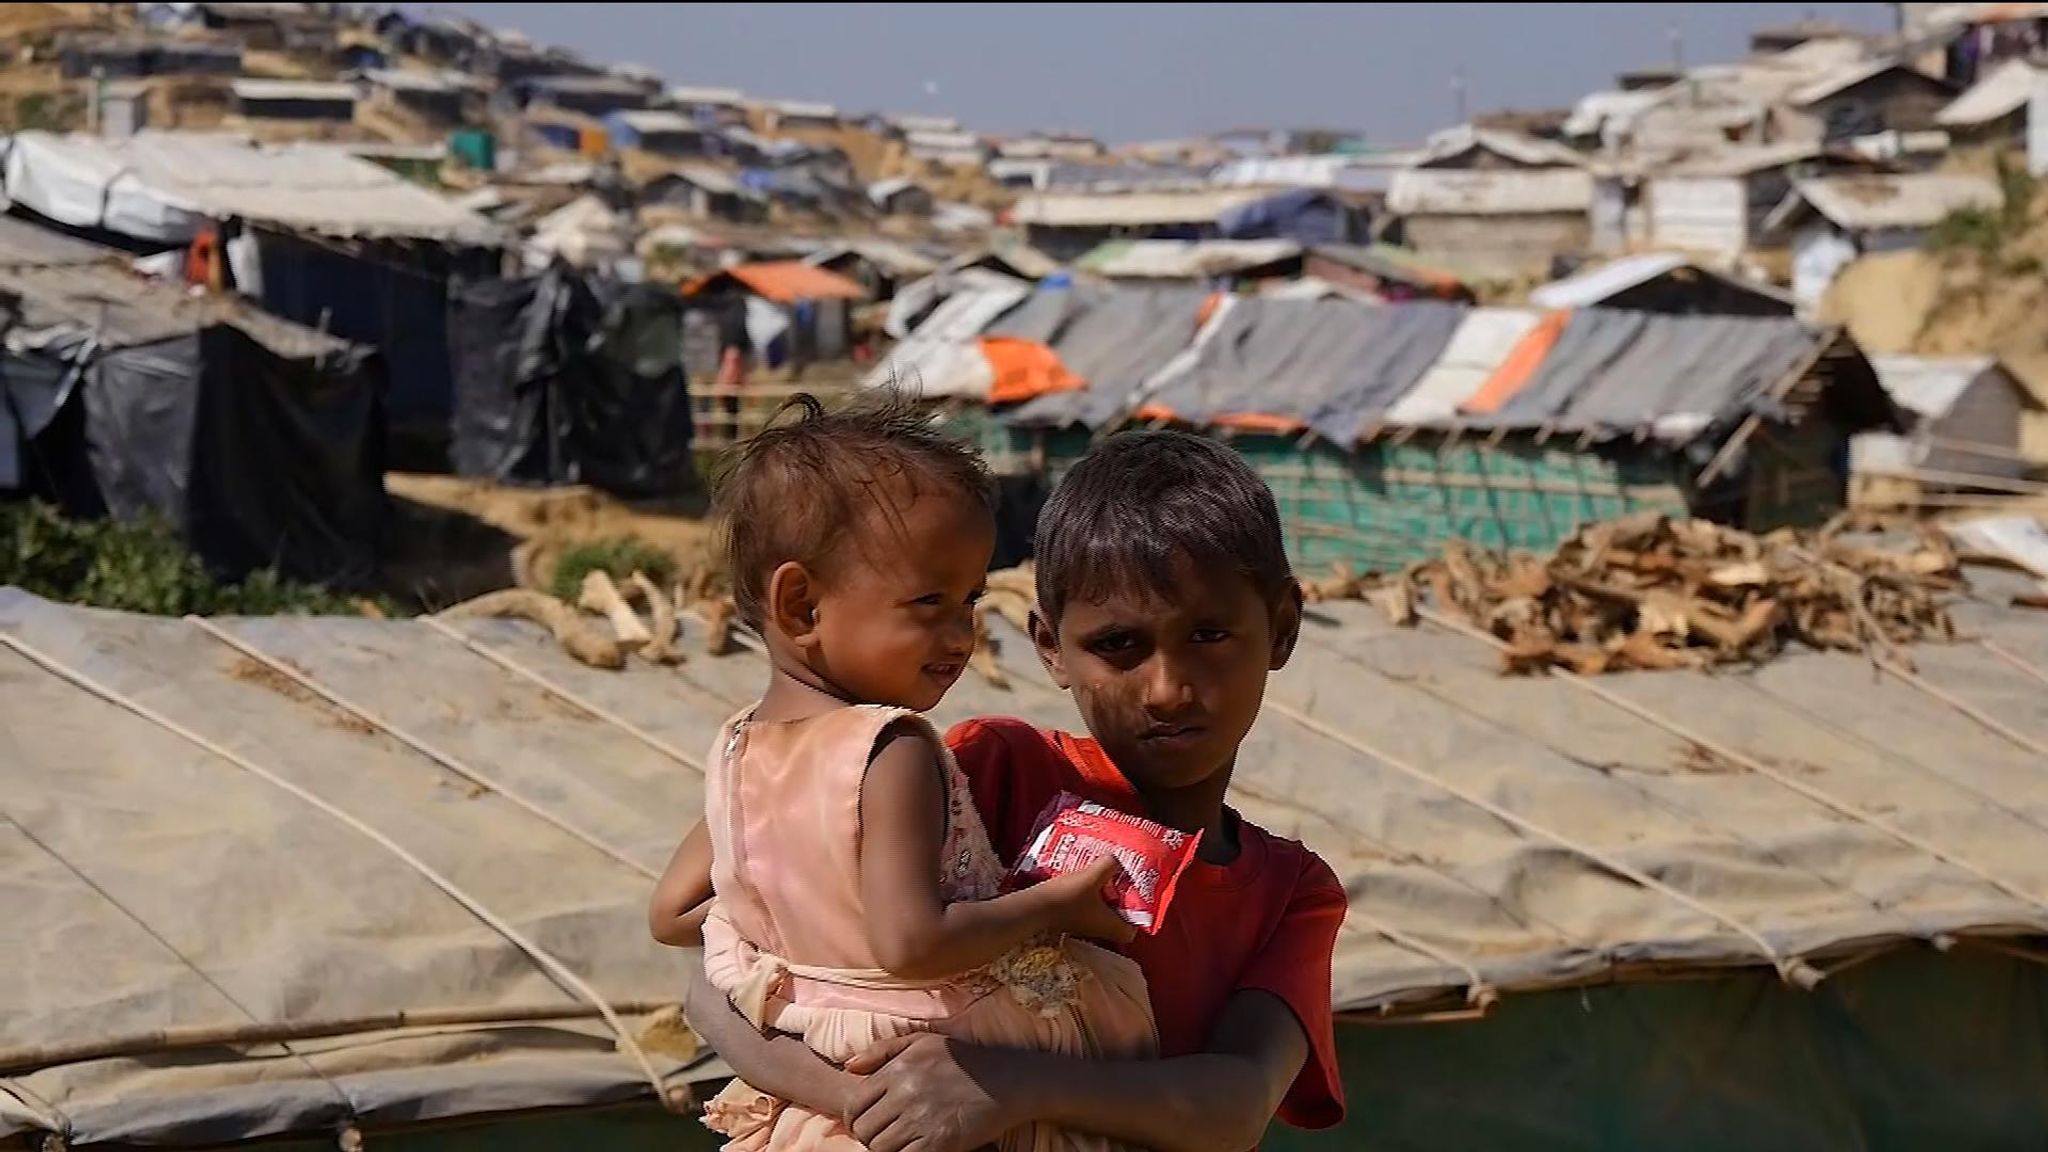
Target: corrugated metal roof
[(162, 186), (787, 282), (1929, 387), (1868, 202), (247, 89), (1596, 111), (2003, 91), (1131, 209), (1183, 259), (1596, 285), (1459, 192), (447, 82), (1392, 262)]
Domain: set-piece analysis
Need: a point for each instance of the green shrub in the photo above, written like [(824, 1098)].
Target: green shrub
[(617, 556), (141, 566), (1967, 230)]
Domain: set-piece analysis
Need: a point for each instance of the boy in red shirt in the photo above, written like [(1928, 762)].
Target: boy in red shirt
[(1164, 601)]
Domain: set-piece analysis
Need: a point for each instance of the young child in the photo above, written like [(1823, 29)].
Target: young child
[(856, 891), (1164, 600)]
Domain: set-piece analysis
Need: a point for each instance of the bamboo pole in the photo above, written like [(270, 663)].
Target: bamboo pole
[(30, 1057)]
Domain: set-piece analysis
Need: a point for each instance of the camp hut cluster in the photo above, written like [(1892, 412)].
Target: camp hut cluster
[(1387, 429)]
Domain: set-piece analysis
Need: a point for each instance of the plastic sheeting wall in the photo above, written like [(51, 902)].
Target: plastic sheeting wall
[(555, 385), (389, 298), (261, 461)]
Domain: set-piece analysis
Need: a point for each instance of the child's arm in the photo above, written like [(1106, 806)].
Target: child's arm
[(914, 933), (954, 1096), (683, 894)]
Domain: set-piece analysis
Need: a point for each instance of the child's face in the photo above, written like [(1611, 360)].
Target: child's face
[(895, 622), (1170, 684)]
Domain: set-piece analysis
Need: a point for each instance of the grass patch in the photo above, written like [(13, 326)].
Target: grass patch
[(617, 556), (143, 566)]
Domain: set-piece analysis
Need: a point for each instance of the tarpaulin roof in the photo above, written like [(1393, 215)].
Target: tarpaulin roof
[(943, 357), (785, 282), (1131, 208), (1502, 834), (2001, 92), (1115, 339), (1509, 192), (1869, 202), (163, 186), (1473, 353), (1183, 259), (1618, 371), (1597, 285), (1331, 364)]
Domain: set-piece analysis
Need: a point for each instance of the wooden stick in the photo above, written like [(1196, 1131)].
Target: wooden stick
[(30, 1057)]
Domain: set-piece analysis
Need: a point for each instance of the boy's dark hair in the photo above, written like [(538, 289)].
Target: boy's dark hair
[(1142, 502), (799, 490)]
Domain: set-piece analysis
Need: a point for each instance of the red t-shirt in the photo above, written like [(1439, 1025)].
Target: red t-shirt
[(1266, 921)]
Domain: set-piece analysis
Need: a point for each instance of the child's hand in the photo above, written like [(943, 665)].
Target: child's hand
[(1078, 907)]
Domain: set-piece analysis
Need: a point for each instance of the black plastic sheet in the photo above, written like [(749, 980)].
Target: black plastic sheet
[(556, 384)]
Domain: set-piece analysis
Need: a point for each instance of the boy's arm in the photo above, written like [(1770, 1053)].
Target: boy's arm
[(778, 1064), (952, 1097), (682, 896)]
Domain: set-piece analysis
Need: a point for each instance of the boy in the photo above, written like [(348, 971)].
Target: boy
[(1164, 601)]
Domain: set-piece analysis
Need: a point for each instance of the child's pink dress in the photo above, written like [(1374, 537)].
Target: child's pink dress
[(787, 939)]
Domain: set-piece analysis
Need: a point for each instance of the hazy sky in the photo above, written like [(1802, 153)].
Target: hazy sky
[(1135, 71)]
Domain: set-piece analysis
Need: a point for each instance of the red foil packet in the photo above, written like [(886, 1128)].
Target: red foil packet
[(1073, 833)]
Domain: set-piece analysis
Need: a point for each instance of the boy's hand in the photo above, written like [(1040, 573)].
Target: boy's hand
[(1076, 904), (927, 1094)]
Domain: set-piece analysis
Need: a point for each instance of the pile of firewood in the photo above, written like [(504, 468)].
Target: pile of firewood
[(604, 625), (1648, 592)]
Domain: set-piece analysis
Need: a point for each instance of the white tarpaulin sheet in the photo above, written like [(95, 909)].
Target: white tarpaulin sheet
[(164, 186), (944, 358), (1475, 351)]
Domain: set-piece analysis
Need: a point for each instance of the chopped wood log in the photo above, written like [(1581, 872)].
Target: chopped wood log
[(581, 639)]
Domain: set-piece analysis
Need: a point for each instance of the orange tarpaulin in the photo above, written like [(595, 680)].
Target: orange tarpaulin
[(1521, 364), (783, 281), (1025, 369)]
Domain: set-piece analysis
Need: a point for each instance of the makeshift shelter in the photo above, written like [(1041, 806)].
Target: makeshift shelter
[(598, 96), (1719, 204), (1497, 223), (1683, 909), (561, 382), (585, 232), (1065, 225), (901, 196), (301, 100), (339, 243), (878, 265), (1995, 109), (1387, 429), (1301, 215), (1864, 99), (440, 97), (662, 133), (260, 441), (1196, 260), (1832, 220), (1384, 270), (705, 192), (1963, 431), (1670, 283), (794, 312)]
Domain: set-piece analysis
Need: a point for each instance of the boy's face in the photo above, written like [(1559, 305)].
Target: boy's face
[(1170, 684)]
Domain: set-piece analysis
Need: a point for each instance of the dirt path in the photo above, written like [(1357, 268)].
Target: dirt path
[(458, 538)]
